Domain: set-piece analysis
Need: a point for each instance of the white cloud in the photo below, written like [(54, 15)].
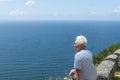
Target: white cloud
[(30, 3), (116, 11), (17, 12)]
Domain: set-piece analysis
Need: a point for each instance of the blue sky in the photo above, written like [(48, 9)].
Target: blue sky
[(29, 10)]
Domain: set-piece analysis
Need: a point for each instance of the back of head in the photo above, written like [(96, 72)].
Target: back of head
[(81, 40)]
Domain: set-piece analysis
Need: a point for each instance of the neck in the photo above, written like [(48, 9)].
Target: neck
[(81, 49)]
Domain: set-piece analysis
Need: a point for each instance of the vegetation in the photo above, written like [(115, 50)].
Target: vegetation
[(117, 75), (59, 78), (98, 58), (101, 56)]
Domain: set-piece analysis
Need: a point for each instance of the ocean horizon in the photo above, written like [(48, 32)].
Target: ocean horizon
[(40, 49)]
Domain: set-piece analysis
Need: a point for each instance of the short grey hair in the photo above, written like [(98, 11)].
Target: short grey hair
[(81, 40)]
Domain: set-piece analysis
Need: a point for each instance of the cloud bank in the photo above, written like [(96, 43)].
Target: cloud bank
[(17, 12), (30, 3), (116, 11)]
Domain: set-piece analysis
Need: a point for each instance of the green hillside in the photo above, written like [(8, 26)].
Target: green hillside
[(100, 57)]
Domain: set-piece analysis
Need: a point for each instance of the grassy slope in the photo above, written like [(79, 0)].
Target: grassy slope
[(100, 57), (117, 75)]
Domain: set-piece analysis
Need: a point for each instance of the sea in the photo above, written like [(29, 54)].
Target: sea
[(38, 50)]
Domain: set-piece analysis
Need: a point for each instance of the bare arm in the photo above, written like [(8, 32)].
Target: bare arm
[(77, 72), (72, 72)]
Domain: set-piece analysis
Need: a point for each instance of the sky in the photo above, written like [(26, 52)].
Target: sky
[(35, 10)]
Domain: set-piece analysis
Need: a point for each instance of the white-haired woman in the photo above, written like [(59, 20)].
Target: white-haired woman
[(83, 63)]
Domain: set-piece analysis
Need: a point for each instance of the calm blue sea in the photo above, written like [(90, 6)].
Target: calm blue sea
[(38, 50)]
